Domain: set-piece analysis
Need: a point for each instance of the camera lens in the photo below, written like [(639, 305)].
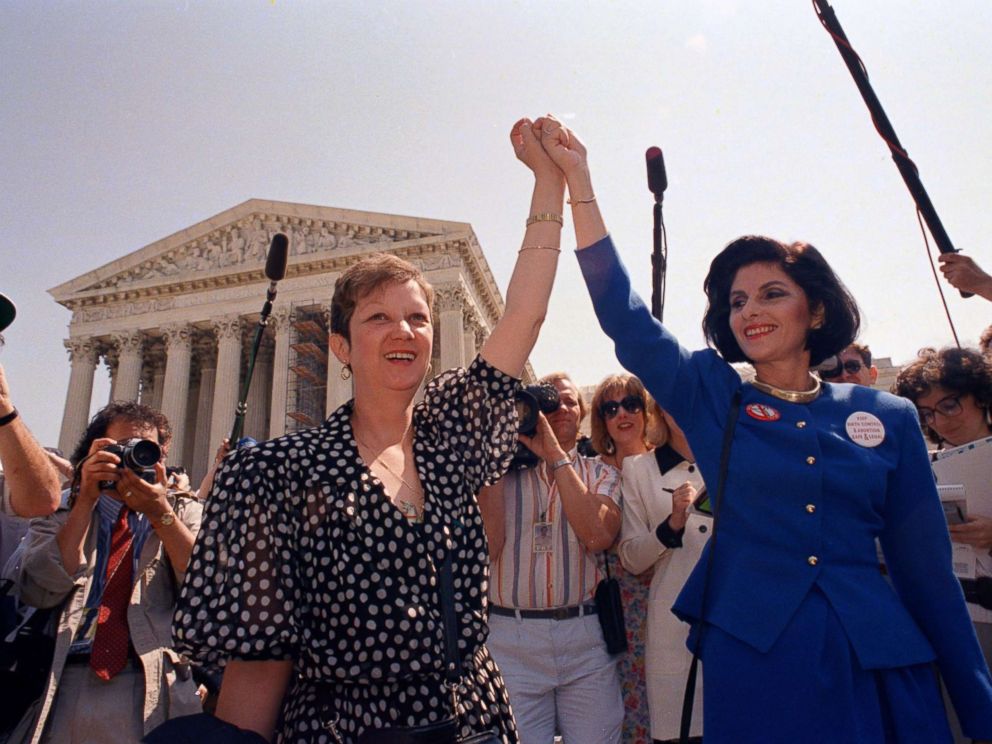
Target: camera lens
[(143, 454)]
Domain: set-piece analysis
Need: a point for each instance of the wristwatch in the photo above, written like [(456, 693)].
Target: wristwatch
[(167, 519)]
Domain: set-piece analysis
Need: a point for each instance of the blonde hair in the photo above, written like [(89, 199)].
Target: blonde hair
[(629, 385)]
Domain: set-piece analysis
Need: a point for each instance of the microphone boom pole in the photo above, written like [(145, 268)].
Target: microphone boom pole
[(275, 269), (907, 168)]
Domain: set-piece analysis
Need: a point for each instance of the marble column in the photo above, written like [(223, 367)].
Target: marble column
[(228, 377), (175, 387), (111, 357), (202, 454), (279, 322), (128, 379), (256, 418), (339, 390), (468, 339), (82, 360), (450, 303)]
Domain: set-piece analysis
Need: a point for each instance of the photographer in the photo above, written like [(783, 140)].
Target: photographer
[(547, 527), (113, 560), (29, 485)]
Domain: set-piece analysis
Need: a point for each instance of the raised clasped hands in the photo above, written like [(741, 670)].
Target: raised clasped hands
[(547, 146)]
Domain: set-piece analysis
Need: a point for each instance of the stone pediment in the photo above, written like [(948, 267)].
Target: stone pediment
[(234, 244)]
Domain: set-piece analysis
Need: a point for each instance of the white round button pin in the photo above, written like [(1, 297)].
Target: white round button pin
[(865, 429)]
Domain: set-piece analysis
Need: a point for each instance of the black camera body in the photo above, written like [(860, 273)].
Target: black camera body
[(530, 401), (138, 455)]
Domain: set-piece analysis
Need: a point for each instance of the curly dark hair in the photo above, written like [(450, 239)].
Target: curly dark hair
[(959, 371), (121, 410), (807, 267)]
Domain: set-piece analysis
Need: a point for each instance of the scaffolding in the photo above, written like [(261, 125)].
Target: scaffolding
[(306, 394)]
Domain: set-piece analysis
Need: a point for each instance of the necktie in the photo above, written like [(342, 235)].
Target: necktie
[(109, 653)]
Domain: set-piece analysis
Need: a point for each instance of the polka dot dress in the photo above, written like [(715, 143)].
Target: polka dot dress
[(302, 556)]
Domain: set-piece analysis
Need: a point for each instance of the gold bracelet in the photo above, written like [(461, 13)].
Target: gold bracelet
[(554, 248), (590, 200), (545, 217)]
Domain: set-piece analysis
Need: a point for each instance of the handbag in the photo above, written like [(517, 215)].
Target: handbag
[(26, 652), (446, 731), (609, 608)]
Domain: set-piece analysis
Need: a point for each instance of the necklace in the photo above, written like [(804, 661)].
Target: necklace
[(410, 509), (792, 396)]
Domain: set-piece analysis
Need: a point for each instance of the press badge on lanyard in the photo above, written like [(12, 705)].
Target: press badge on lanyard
[(542, 537)]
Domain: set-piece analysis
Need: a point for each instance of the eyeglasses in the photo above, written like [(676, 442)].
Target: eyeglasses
[(631, 404), (949, 406), (851, 366)]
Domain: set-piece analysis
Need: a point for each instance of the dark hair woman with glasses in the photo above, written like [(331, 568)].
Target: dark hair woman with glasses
[(952, 391), (801, 637)]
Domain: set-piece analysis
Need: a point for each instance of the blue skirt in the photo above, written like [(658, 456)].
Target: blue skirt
[(810, 689)]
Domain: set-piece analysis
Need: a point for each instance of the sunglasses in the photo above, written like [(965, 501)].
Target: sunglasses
[(851, 366), (631, 404), (949, 406)]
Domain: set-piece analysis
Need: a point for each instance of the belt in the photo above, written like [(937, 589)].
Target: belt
[(558, 613)]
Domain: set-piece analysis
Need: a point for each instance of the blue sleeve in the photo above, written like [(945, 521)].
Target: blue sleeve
[(673, 375), (918, 555)]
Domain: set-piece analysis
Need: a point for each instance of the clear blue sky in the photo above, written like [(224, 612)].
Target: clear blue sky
[(123, 122)]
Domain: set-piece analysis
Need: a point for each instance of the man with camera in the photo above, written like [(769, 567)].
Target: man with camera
[(112, 560), (547, 527)]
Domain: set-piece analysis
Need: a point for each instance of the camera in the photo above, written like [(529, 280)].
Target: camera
[(137, 455), (531, 400)]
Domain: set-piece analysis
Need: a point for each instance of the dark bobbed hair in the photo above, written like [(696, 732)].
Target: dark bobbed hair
[(121, 410), (807, 267), (959, 371), (366, 276)]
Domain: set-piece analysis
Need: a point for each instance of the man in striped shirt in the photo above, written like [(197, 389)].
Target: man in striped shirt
[(547, 528)]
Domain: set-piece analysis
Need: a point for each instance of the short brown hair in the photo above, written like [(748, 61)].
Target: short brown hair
[(629, 385), (553, 377), (861, 350), (364, 277)]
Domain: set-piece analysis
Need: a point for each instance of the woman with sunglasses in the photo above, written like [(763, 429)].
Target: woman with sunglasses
[(802, 638), (660, 541), (952, 391), (621, 421)]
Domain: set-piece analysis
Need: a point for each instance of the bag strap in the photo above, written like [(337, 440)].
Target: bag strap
[(452, 660), (690, 683)]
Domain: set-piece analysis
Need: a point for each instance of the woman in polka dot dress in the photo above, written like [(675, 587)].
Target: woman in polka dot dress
[(314, 579)]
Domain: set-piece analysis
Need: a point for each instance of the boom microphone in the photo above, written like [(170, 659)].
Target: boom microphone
[(275, 264), (657, 180)]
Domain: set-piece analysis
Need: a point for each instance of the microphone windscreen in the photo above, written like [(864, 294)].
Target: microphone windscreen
[(657, 180), (275, 264)]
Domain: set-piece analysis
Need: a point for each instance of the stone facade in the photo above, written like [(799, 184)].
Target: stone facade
[(174, 321)]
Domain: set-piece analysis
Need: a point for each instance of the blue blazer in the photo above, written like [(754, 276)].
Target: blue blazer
[(804, 504)]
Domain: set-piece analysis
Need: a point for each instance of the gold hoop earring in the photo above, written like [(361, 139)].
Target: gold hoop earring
[(346, 372)]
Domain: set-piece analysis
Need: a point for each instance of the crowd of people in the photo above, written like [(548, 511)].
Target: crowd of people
[(778, 548)]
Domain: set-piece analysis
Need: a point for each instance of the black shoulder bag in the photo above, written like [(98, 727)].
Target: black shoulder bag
[(609, 608), (690, 684)]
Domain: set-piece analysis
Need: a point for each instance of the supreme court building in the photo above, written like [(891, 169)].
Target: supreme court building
[(174, 321)]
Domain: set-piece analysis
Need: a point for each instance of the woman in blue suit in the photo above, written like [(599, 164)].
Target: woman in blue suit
[(801, 637)]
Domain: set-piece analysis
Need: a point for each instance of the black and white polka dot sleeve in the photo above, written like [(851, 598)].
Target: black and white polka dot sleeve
[(241, 592), (471, 411)]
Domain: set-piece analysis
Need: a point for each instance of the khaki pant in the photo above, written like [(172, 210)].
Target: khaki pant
[(88, 710)]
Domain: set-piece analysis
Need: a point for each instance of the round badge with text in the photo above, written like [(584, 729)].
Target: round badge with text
[(865, 429)]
